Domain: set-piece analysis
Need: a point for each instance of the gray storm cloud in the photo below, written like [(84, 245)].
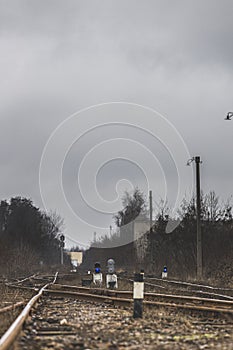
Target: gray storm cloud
[(58, 57)]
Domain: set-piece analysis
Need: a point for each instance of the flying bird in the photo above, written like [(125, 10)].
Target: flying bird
[(229, 116)]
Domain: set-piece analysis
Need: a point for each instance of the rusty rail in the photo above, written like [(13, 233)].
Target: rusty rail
[(11, 334), (11, 307), (125, 298), (148, 295), (187, 284)]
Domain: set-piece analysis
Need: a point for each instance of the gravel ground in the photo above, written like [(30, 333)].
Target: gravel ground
[(72, 324)]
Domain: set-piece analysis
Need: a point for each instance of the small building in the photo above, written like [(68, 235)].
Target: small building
[(141, 229), (76, 258), (136, 231)]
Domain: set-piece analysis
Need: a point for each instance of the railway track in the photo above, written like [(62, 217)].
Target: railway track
[(12, 302), (192, 287), (224, 305), (125, 298), (13, 331), (12, 307), (187, 288), (72, 315)]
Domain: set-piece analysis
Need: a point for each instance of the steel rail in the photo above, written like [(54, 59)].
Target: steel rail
[(97, 291), (23, 280), (13, 331), (149, 284), (129, 294), (90, 296), (181, 283), (224, 296), (12, 307), (22, 287), (129, 302), (189, 284), (227, 303)]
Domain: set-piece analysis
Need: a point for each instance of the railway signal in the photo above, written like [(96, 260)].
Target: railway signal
[(164, 273), (111, 266), (62, 245), (97, 275), (111, 277), (97, 267)]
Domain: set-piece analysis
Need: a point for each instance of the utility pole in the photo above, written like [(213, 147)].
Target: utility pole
[(198, 215), (199, 233), (151, 210)]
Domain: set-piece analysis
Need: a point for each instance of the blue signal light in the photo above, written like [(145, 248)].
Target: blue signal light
[(165, 269), (97, 270)]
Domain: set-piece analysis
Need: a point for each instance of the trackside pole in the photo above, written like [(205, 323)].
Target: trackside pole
[(138, 294), (62, 245), (62, 260), (199, 233)]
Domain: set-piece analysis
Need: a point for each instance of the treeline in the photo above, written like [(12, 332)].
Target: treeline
[(28, 237), (155, 248), (177, 250)]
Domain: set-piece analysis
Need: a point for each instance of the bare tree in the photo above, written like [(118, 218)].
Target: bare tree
[(134, 205)]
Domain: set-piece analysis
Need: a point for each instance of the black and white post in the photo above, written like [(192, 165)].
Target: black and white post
[(138, 294)]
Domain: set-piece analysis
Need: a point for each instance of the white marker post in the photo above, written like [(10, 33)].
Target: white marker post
[(138, 294)]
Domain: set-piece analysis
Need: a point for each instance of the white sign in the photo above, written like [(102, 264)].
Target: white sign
[(97, 278), (111, 278)]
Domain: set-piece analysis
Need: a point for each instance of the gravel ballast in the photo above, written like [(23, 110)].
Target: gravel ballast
[(71, 324)]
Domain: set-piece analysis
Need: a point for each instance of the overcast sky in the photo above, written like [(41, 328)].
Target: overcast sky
[(60, 57)]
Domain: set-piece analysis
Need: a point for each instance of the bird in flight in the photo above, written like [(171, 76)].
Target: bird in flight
[(229, 116)]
